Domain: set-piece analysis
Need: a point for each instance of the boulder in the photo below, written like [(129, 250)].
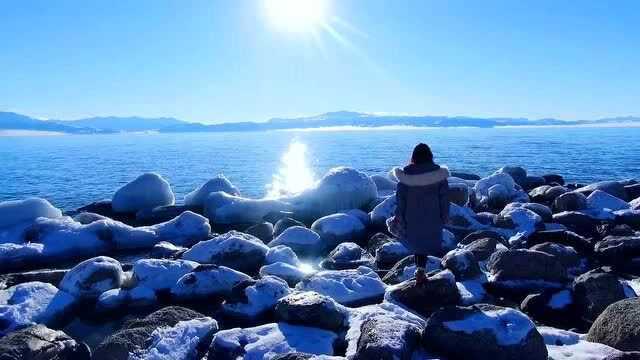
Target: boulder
[(145, 192), (207, 281), (570, 201), (312, 309), (618, 326), (220, 183), (338, 228), (482, 248), (252, 299), (359, 286), (567, 255), (593, 291), (160, 214), (39, 342), (388, 254), (465, 176), (437, 291), (462, 263), (304, 242), (458, 191), (166, 250), (520, 219), (23, 211), (562, 237), (578, 222), (630, 218), (234, 249), (224, 209), (547, 194), (347, 256), (283, 224), (292, 274), (483, 332), (531, 182), (386, 338), (632, 190), (610, 187), (553, 307), (282, 253), (115, 300), (160, 274), (263, 231), (619, 251), (92, 277), (383, 183), (481, 234), (599, 200), (497, 190), (525, 269), (518, 173), (405, 269), (383, 211)]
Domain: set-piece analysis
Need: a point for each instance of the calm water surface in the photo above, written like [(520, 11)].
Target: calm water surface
[(74, 170)]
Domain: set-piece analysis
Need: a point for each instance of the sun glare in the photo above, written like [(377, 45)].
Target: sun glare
[(296, 15), (294, 175)]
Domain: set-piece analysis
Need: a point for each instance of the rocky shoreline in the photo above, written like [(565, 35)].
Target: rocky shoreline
[(534, 268)]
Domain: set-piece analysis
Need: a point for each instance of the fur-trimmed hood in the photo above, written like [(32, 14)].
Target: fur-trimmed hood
[(421, 178)]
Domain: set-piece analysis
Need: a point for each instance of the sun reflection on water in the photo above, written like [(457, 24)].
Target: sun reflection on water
[(294, 174)]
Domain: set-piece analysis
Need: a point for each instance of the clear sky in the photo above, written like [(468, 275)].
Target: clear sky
[(233, 60)]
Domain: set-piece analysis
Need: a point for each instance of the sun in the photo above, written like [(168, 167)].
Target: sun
[(296, 15)]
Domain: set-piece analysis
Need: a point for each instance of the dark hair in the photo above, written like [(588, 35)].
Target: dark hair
[(421, 154)]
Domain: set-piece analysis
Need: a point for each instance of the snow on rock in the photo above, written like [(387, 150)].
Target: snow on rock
[(259, 297), (268, 341), (509, 326), (518, 218), (472, 291), (220, 183), (179, 342), (115, 299), (282, 254), (560, 299), (347, 255), (222, 208), (564, 344), (161, 274), (21, 211), (32, 303), (340, 189), (599, 200), (498, 188), (206, 281), (308, 308), (92, 277), (462, 216), (405, 269), (289, 273), (337, 228), (145, 192), (383, 211), (305, 242), (348, 287), (384, 183), (233, 249), (186, 229)]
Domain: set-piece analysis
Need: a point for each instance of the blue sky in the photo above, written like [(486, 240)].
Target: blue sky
[(224, 60)]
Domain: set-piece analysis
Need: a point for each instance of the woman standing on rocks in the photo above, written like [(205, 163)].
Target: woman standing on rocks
[(422, 206)]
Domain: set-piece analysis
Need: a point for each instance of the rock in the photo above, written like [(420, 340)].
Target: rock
[(115, 300), (610, 187), (543, 211), (283, 224), (570, 201), (311, 309), (483, 332), (630, 218), (437, 291), (387, 255), (92, 277), (531, 182), (388, 339), (525, 269), (338, 228), (553, 307), (252, 299), (618, 326), (166, 250), (162, 214), (492, 196), (562, 237), (287, 272), (86, 218), (282, 253), (31, 303), (481, 234), (601, 200), (224, 209), (519, 174), (207, 281), (462, 263), (618, 250), (161, 274), (383, 183), (458, 191), (553, 178), (263, 231), (348, 287), (405, 269), (220, 183), (267, 341), (304, 242), (482, 248), (145, 192), (594, 291), (547, 194), (635, 203), (23, 211), (633, 191), (612, 229), (360, 215), (340, 189), (52, 277), (40, 342), (134, 334), (234, 249), (567, 255), (577, 222), (347, 256), (498, 196), (382, 212), (515, 216)]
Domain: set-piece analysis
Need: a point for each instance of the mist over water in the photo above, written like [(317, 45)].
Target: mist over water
[(74, 170)]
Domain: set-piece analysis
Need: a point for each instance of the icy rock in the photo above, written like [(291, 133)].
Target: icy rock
[(312, 309), (304, 242), (387, 338), (518, 218), (186, 229), (220, 183), (348, 287), (618, 251), (92, 277), (390, 253), (283, 224), (222, 208), (458, 191), (32, 303), (234, 249), (281, 253), (438, 290), (462, 263), (483, 332), (384, 183), (22, 211), (40, 342), (464, 217), (287, 272), (161, 274), (617, 326), (519, 174), (145, 192), (116, 299), (497, 189), (166, 250), (347, 256), (267, 341), (383, 211), (207, 281), (601, 200), (340, 189), (338, 228), (263, 231), (255, 298), (593, 291)]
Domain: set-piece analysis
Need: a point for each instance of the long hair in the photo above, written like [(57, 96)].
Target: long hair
[(421, 154)]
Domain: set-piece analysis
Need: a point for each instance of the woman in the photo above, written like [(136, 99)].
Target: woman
[(422, 206)]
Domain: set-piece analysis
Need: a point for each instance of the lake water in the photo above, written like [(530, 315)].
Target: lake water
[(74, 170)]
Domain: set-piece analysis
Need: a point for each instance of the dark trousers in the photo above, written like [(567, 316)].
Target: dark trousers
[(421, 260)]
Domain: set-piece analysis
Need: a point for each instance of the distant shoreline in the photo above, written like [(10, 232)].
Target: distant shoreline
[(16, 133)]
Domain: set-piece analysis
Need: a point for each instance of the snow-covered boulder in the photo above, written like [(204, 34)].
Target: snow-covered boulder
[(92, 277), (348, 287), (384, 183), (285, 271), (21, 211), (222, 208), (160, 274), (145, 192), (347, 256), (340, 189), (186, 229), (234, 249), (552, 307), (521, 220), (166, 250), (497, 190), (281, 253), (383, 211), (305, 242), (207, 281), (309, 308), (564, 344), (599, 200), (256, 298), (462, 263), (437, 290), (388, 254), (483, 332), (219, 183), (267, 341), (40, 342), (338, 228), (32, 303), (180, 342), (613, 188), (117, 299)]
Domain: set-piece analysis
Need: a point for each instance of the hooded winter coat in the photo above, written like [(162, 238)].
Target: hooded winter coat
[(423, 206)]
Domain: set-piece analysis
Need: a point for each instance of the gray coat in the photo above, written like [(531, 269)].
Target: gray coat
[(423, 205)]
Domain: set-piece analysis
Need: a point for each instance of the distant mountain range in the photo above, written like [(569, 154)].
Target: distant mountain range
[(106, 125)]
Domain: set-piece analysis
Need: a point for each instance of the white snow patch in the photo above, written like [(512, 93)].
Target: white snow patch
[(563, 344), (287, 272), (302, 240), (345, 286), (599, 200), (222, 208), (21, 211), (206, 281), (261, 296), (509, 326), (161, 274), (230, 242), (561, 299), (472, 291), (383, 211)]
